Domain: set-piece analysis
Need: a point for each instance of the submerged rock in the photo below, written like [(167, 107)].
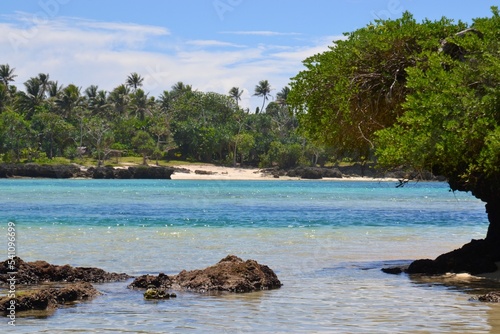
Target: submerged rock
[(48, 298), (155, 293)]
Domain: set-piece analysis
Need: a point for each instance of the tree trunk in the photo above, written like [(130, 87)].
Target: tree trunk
[(493, 211)]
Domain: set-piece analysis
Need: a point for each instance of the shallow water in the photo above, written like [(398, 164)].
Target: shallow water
[(325, 240)]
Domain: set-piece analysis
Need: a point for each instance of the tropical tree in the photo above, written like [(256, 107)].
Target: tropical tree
[(68, 100), (424, 95), (119, 100), (140, 104), (100, 136), (44, 82), (134, 81), (357, 87), (6, 74), (235, 93), (263, 89), (282, 96), (451, 123), (32, 98), (96, 100), (160, 128), (53, 89), (144, 144), (15, 133), (53, 132)]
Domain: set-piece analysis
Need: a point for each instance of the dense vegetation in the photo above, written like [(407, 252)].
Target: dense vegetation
[(423, 95), (47, 120)]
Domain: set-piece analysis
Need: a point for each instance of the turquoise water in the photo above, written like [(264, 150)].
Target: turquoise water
[(326, 240)]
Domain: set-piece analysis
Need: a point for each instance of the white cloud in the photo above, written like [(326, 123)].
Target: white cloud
[(87, 52), (261, 33), (215, 43)]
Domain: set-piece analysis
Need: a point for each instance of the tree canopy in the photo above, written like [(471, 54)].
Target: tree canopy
[(423, 95), (46, 120)]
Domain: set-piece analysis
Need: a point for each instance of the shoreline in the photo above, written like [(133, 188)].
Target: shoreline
[(220, 173), (207, 171)]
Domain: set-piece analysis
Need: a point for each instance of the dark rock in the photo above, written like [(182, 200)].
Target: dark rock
[(393, 270), (182, 170), (36, 170), (101, 172), (491, 297), (120, 173), (156, 293), (147, 281), (476, 257), (314, 173), (230, 274), (141, 172), (41, 271), (204, 172), (50, 298)]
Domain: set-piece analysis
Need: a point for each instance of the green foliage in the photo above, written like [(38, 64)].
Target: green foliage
[(451, 119), (15, 134), (283, 155), (357, 87)]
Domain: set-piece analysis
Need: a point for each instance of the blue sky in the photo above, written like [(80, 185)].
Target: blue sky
[(211, 44)]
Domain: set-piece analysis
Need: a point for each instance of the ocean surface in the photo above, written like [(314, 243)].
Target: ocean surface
[(326, 241)]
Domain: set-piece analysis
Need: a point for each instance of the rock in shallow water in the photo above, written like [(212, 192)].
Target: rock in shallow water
[(49, 298), (231, 274)]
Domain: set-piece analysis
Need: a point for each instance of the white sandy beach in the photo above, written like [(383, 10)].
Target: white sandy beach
[(213, 172)]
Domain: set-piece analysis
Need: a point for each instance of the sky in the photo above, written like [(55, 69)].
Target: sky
[(212, 45)]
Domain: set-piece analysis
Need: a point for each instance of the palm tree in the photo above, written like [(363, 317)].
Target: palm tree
[(134, 81), (54, 89), (7, 74), (96, 99), (68, 100), (164, 101), (119, 99), (44, 82), (32, 98), (235, 93), (141, 104), (282, 96), (263, 89)]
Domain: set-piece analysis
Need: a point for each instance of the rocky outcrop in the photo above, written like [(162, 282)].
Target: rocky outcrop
[(40, 271), (231, 274), (70, 171), (48, 298), (36, 170), (314, 173), (161, 281), (476, 257), (142, 172)]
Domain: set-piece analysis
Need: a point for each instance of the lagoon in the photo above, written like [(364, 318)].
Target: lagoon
[(326, 241)]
